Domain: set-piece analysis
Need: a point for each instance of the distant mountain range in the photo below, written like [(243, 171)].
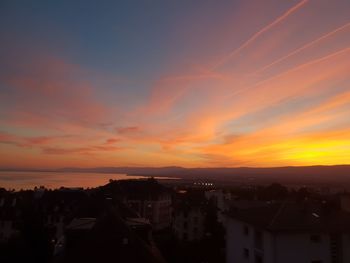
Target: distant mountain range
[(337, 174)]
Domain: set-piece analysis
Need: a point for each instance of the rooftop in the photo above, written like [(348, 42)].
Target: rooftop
[(144, 189), (82, 223), (294, 217), (107, 239)]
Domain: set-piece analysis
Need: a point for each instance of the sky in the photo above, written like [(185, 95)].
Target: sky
[(191, 83)]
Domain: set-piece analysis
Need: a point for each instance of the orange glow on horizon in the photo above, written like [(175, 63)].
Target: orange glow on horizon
[(254, 88)]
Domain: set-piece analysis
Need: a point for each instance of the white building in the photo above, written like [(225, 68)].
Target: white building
[(288, 233)]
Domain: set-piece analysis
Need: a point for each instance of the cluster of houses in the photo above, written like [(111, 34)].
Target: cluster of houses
[(118, 219)]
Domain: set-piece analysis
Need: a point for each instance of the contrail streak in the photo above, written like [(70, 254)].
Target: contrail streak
[(293, 69), (302, 48), (263, 30)]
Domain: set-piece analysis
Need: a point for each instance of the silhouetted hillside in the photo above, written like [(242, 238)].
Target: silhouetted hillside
[(338, 174)]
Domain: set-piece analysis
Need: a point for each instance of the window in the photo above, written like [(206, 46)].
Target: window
[(246, 253), (315, 238), (185, 225), (246, 230)]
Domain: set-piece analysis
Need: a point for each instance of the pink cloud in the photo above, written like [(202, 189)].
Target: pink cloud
[(50, 91), (169, 90), (89, 150), (128, 130)]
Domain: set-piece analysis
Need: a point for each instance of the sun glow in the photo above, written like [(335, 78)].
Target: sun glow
[(220, 85)]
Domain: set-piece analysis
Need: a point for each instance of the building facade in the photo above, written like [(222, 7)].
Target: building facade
[(148, 199), (156, 210), (188, 224), (8, 218), (221, 200), (287, 235)]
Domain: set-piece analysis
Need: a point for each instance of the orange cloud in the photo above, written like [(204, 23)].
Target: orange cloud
[(293, 111)]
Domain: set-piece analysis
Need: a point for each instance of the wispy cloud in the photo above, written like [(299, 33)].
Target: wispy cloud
[(262, 31), (304, 47), (279, 95)]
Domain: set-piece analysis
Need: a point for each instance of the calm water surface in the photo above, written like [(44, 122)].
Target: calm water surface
[(28, 180)]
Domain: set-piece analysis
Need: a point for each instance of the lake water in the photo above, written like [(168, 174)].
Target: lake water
[(28, 180)]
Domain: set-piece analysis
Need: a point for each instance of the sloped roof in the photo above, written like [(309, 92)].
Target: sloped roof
[(111, 240), (82, 223), (295, 217)]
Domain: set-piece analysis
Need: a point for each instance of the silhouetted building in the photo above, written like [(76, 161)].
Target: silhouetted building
[(189, 222), (221, 200), (58, 208), (9, 214), (149, 199), (344, 200), (288, 232), (109, 239)]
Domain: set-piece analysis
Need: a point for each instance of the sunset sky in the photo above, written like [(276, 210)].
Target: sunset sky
[(191, 83)]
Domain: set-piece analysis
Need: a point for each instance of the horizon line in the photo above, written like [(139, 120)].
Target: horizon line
[(38, 169)]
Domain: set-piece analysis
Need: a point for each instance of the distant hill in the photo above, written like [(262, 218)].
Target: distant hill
[(337, 174), (325, 175)]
